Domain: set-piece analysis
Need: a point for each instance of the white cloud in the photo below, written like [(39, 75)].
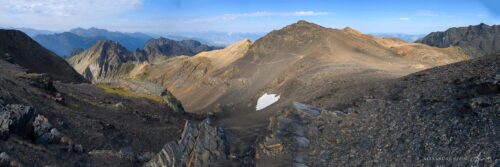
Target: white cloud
[(234, 16), (66, 8), (62, 14), (404, 18)]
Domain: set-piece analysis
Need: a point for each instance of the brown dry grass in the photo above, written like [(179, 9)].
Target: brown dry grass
[(123, 90)]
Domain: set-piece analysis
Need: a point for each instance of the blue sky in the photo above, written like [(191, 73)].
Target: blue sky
[(167, 16)]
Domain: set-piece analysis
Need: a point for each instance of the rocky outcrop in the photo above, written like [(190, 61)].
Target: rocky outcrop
[(105, 60), (7, 161), (24, 121), (172, 102), (15, 119), (17, 48), (169, 48), (44, 132), (200, 145), (477, 40)]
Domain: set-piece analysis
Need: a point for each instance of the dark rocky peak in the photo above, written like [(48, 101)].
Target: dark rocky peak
[(167, 47), (482, 25), (109, 44), (475, 40), (301, 25), (113, 51)]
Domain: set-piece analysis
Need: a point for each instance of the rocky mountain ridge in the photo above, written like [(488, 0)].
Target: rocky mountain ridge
[(104, 60), (108, 60), (347, 99), (167, 47), (475, 40), (246, 69)]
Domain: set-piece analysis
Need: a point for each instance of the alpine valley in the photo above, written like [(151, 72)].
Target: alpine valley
[(302, 95)]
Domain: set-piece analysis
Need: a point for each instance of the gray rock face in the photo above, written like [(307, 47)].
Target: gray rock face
[(7, 161), (290, 136), (43, 131), (24, 121), (476, 40), (172, 102), (14, 119), (307, 109), (104, 60), (201, 145)]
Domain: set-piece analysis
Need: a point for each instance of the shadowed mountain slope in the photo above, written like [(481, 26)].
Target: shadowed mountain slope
[(44, 122), (17, 48), (167, 47)]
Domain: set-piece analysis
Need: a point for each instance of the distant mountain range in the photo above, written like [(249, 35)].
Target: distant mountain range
[(109, 59), (404, 37), (478, 40), (65, 43), (215, 38), (34, 32)]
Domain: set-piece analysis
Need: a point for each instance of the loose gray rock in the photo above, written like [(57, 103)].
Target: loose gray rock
[(14, 118)]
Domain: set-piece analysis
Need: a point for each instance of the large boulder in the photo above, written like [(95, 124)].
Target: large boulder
[(201, 145), (15, 119), (7, 161), (44, 132)]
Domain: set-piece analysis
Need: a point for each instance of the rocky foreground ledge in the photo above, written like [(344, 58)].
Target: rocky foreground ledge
[(199, 145), (447, 116)]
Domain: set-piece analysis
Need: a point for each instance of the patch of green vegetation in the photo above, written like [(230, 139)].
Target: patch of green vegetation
[(124, 91), (74, 106)]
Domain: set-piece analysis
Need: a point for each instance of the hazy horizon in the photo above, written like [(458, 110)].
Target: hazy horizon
[(198, 16)]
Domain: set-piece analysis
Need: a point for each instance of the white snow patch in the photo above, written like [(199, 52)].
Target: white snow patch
[(266, 100)]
